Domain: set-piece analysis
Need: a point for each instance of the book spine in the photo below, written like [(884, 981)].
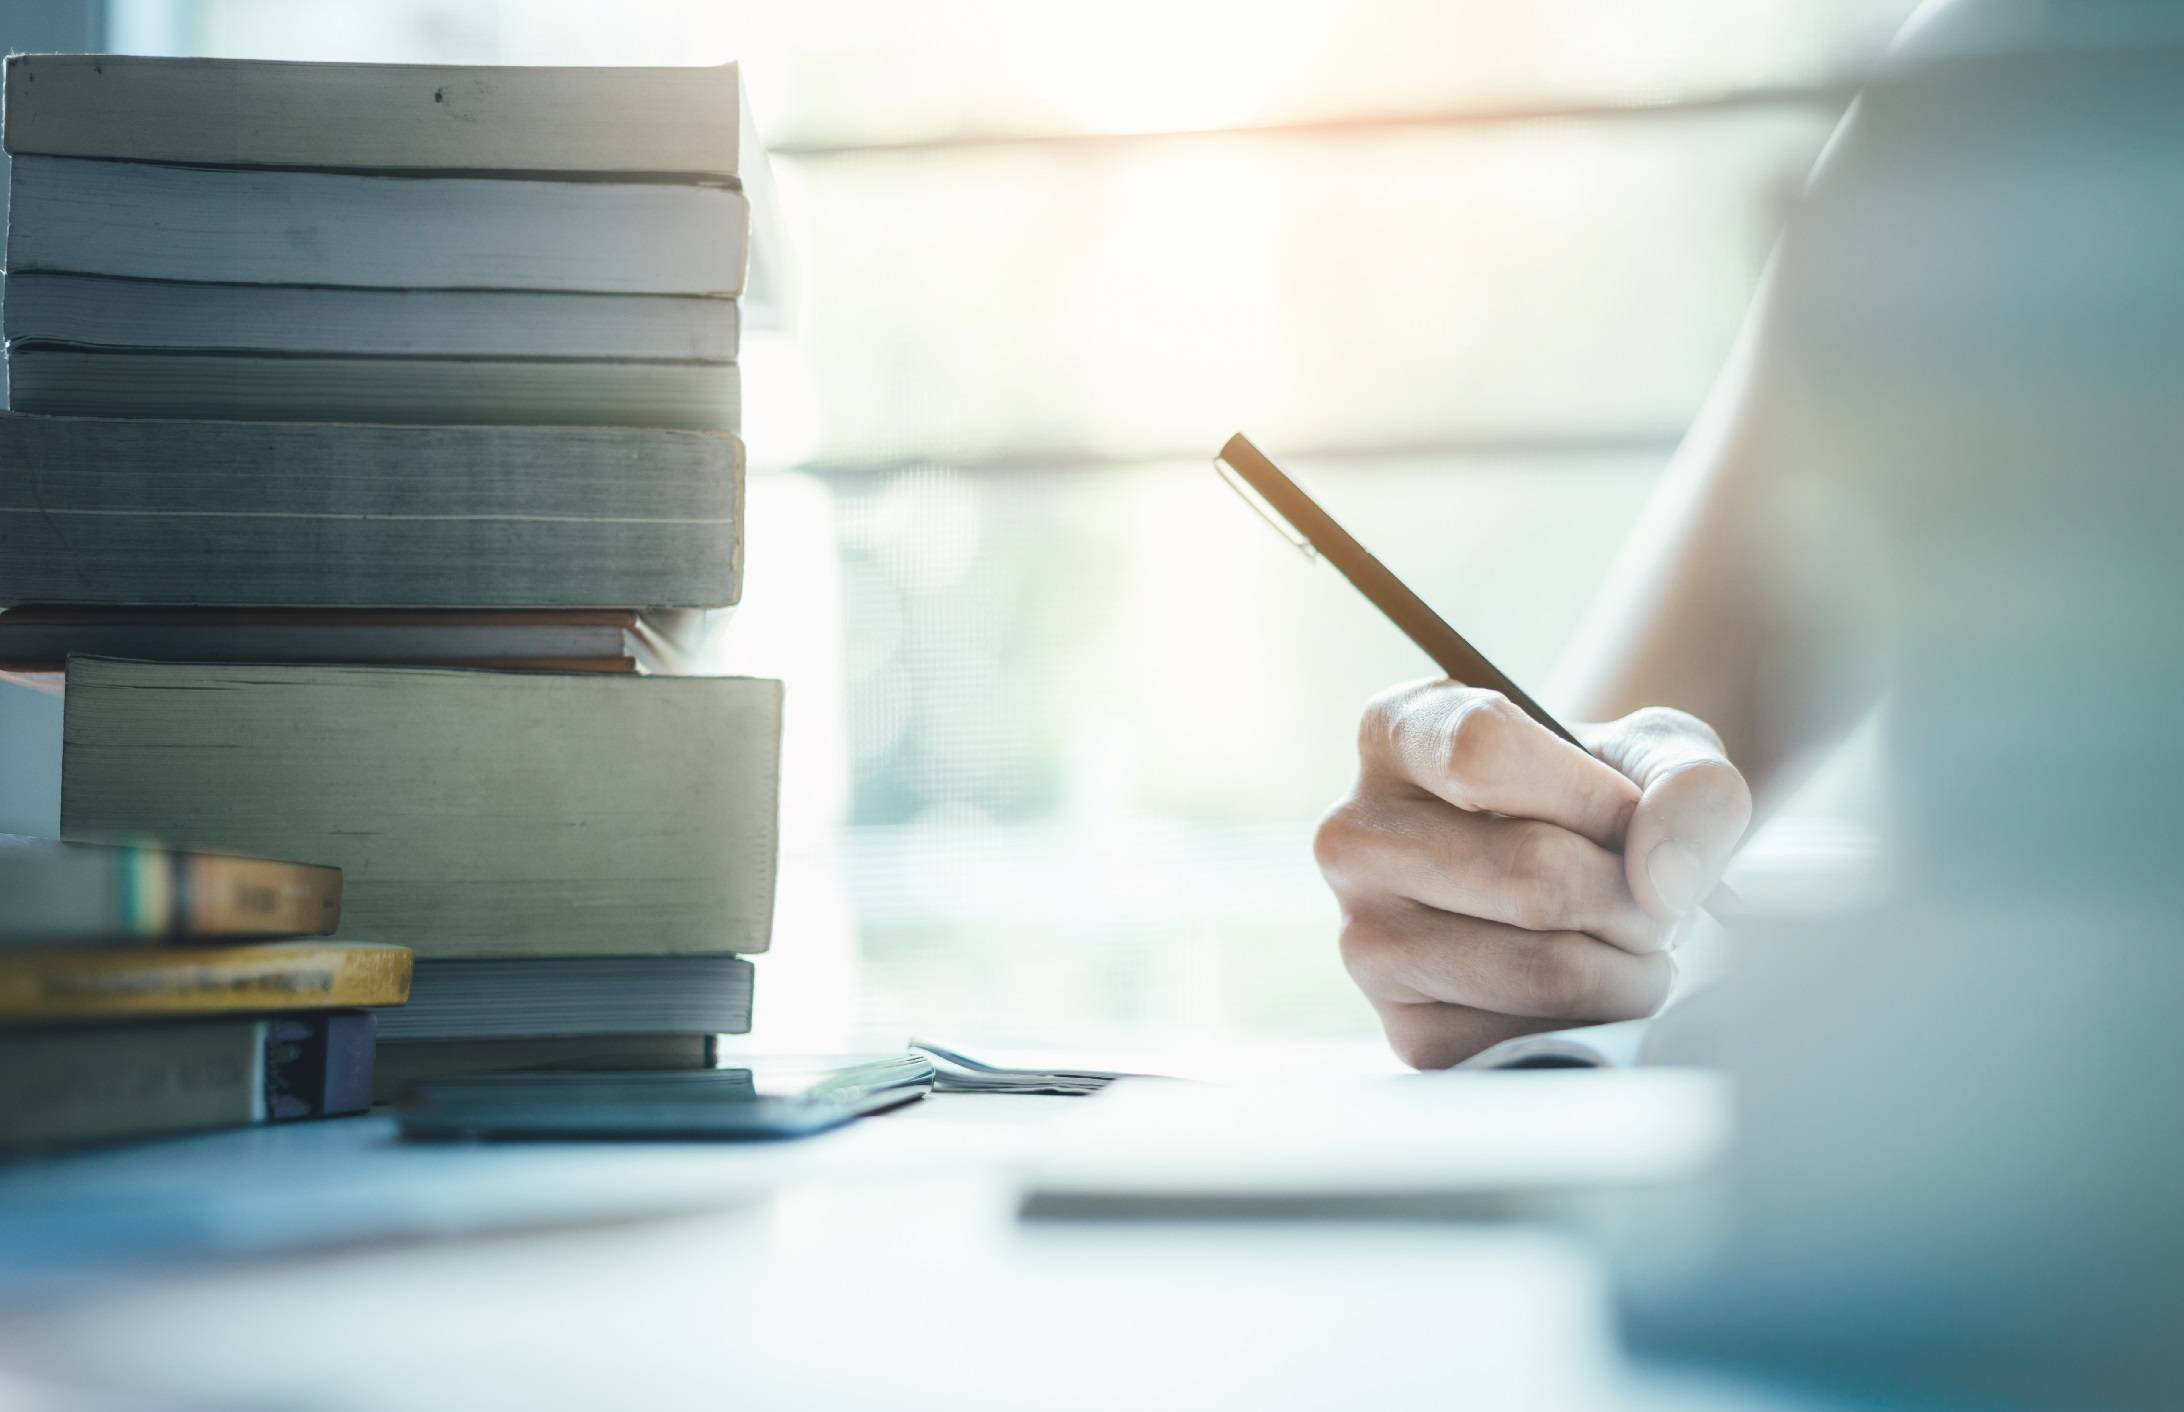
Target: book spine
[(83, 1086), (54, 893), (376, 116), (180, 512), (97, 984), (215, 896), (400, 1065), (89, 1085)]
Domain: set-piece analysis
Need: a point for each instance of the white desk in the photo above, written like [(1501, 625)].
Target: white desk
[(880, 1266)]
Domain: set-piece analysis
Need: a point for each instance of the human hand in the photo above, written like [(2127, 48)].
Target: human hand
[(1495, 881)]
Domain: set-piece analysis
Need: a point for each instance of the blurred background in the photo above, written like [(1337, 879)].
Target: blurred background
[(1063, 713)]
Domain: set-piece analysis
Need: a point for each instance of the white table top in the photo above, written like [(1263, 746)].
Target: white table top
[(880, 1266)]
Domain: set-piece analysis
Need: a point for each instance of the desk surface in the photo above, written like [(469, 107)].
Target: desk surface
[(880, 1266)]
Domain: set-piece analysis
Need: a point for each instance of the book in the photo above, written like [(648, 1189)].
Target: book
[(109, 1082), (247, 112), (472, 813), (98, 311), (88, 382), (549, 997), (41, 638), (325, 515), (344, 228), (129, 982), (90, 893), (399, 1065)]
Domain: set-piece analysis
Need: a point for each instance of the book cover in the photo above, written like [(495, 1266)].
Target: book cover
[(255, 112), (110, 1082), (53, 892), (66, 381), (250, 226), (100, 311), (473, 814), (98, 511), (547, 997), (53, 986)]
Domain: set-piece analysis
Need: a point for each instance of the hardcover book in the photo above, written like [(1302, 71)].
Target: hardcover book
[(472, 813), (563, 997), (133, 982), (100, 1084), (255, 112), (323, 515), (249, 226), (53, 892)]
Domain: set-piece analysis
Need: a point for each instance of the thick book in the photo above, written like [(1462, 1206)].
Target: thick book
[(400, 1065), (253, 112), (327, 515), (66, 381), (237, 226), (546, 997), (111, 1082), (42, 638), (132, 982), (98, 311), (53, 892), (472, 813)]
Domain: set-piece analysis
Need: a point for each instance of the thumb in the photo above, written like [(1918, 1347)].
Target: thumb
[(1693, 806)]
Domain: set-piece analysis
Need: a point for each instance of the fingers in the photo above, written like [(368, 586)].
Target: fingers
[(1479, 752), (1402, 953), (1520, 872), (1430, 1036), (1693, 808)]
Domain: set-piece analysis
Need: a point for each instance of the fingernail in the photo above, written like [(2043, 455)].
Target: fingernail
[(1676, 877)]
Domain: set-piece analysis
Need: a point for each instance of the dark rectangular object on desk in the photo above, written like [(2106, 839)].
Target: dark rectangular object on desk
[(401, 1065), (541, 997), (97, 511), (778, 1098), (59, 1087)]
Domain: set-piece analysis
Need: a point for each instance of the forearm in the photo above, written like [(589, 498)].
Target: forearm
[(1726, 600)]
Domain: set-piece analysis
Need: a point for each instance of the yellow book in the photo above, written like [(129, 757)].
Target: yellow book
[(79, 984)]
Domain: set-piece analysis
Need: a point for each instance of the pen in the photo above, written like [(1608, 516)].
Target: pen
[(1300, 520)]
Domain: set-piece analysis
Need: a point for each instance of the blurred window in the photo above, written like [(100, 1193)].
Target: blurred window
[(1062, 715)]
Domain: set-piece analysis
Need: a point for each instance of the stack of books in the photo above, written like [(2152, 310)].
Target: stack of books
[(373, 452), (149, 992)]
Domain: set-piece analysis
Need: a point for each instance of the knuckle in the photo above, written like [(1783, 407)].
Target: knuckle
[(1419, 1047), (1382, 720), (1363, 949), (1538, 863), (1335, 840), (1474, 735), (1559, 980)]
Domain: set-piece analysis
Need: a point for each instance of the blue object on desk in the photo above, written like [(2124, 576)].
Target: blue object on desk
[(767, 1099)]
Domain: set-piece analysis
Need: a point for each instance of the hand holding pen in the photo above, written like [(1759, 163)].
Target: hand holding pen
[(1497, 873)]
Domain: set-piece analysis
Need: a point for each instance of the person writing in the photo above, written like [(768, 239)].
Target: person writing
[(1492, 880)]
